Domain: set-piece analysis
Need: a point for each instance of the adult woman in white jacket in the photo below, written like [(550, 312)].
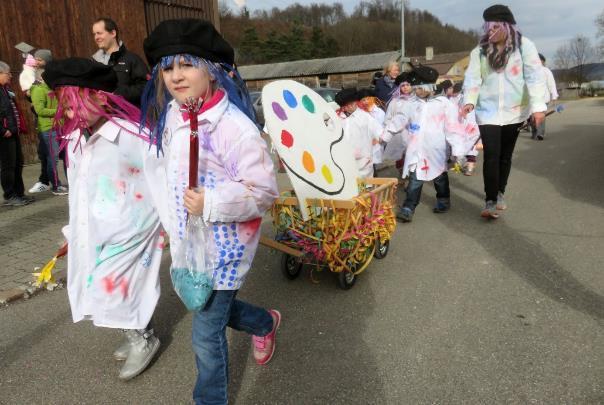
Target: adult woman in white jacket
[(504, 85)]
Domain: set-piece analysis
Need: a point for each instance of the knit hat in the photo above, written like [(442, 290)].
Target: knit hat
[(346, 96), (80, 72), (43, 54), (499, 13), (187, 36)]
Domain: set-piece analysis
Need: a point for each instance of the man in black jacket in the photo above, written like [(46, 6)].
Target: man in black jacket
[(132, 73)]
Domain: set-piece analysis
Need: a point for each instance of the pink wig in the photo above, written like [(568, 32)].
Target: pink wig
[(82, 101)]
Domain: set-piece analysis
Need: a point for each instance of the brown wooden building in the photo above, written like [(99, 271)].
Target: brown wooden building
[(65, 27)]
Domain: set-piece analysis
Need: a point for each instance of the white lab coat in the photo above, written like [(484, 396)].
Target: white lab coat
[(360, 132), (431, 125), (114, 234)]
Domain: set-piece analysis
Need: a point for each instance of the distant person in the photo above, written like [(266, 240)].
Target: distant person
[(551, 94), (11, 155), (45, 106), (131, 71), (39, 62), (384, 86), (504, 84)]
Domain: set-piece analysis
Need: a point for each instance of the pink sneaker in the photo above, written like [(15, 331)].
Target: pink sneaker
[(264, 346)]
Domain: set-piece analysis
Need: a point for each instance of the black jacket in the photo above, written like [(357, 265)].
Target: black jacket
[(132, 74), (7, 114)]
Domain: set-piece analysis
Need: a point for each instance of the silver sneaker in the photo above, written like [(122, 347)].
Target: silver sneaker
[(501, 205), (490, 210), (143, 346), (60, 190), (121, 353)]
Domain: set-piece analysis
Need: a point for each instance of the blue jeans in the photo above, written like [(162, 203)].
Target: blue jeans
[(210, 342), (52, 150), (414, 190)]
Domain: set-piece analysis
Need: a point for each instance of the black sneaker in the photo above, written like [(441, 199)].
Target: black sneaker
[(16, 202)]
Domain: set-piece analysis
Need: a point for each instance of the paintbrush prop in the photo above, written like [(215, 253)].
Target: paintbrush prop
[(45, 275), (557, 109)]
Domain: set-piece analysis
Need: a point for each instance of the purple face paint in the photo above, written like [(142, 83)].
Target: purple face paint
[(290, 99), (279, 112)]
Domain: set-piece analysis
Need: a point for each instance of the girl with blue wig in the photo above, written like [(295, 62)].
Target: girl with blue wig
[(236, 184)]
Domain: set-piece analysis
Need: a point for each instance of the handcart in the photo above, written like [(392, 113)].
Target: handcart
[(342, 235)]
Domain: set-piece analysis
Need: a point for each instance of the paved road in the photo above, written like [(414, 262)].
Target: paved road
[(460, 311)]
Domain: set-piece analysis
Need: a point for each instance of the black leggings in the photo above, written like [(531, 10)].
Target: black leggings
[(498, 146)]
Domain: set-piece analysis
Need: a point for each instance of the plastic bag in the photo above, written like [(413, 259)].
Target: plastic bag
[(193, 278)]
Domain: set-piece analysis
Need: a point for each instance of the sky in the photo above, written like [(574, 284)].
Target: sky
[(548, 23)]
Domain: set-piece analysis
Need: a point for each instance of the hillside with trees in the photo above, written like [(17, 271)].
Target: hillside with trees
[(326, 30)]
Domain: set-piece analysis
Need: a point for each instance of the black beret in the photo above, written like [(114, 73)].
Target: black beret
[(80, 72), (188, 35), (346, 96), (366, 92), (499, 13), (403, 77), (423, 75)]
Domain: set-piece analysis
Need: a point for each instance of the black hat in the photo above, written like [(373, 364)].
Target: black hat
[(188, 35), (346, 96), (542, 57), (499, 13), (423, 75), (403, 77), (366, 92), (80, 72)]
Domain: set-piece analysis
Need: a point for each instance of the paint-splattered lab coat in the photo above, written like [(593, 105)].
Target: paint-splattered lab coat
[(114, 234), (511, 95), (430, 125), (237, 176), (360, 132)]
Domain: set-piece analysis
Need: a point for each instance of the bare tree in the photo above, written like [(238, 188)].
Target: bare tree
[(581, 52)]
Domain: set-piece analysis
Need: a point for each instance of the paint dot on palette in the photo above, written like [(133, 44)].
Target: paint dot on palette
[(287, 139), (327, 174), (279, 112), (308, 162), (290, 99), (308, 104)]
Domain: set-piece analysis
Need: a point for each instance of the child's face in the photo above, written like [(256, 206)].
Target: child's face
[(350, 107), (405, 88), (422, 93), (184, 80), (88, 114)]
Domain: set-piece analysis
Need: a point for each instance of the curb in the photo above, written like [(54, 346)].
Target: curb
[(26, 291)]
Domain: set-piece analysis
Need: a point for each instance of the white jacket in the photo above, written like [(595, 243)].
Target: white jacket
[(509, 96), (360, 132), (430, 125), (114, 234)]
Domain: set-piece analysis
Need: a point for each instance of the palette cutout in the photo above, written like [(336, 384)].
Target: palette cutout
[(308, 137)]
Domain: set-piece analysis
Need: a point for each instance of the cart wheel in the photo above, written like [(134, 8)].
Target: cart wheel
[(381, 249), (346, 279), (290, 266)]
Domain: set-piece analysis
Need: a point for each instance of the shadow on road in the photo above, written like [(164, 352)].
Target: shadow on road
[(522, 256)]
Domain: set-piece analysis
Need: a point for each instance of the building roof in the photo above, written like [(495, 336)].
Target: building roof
[(342, 64), (312, 67)]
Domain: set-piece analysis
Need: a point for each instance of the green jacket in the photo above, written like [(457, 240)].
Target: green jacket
[(44, 105)]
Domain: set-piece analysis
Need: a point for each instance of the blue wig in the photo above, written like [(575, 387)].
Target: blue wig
[(154, 109)]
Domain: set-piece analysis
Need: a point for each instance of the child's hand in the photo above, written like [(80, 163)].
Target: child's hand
[(194, 200)]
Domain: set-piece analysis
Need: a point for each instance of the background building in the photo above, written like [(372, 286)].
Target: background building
[(65, 27)]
